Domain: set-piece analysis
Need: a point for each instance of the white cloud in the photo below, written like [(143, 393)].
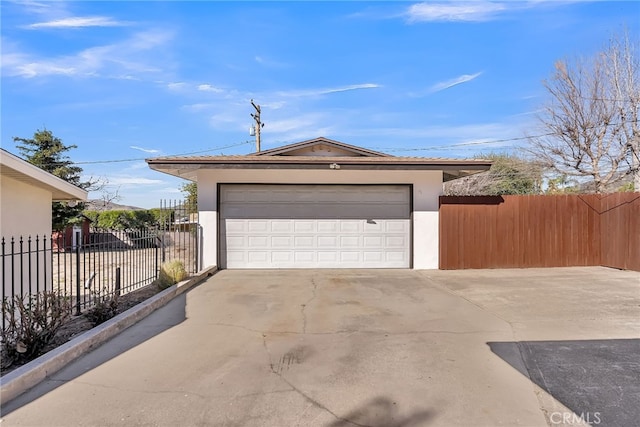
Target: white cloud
[(78, 22), (130, 180), (326, 91), (176, 85), (454, 11), (224, 119), (197, 107), (144, 150), (125, 59), (209, 88), (267, 62), (48, 8), (453, 82), (450, 134)]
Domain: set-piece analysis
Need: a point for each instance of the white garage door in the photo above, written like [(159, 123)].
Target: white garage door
[(314, 226)]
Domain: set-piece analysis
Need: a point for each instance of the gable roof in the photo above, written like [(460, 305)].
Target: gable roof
[(363, 159), (12, 166), (357, 151)]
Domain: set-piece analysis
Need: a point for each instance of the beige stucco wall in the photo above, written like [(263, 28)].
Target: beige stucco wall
[(427, 187), (25, 211)]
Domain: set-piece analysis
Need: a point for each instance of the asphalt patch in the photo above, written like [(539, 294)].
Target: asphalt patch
[(599, 380)]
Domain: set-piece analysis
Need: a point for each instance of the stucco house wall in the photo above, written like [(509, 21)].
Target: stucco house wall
[(427, 187), (23, 210), (26, 194)]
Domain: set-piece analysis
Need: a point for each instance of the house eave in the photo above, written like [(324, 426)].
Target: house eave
[(18, 169), (187, 169)]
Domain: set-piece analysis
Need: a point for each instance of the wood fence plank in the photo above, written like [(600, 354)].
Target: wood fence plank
[(540, 231)]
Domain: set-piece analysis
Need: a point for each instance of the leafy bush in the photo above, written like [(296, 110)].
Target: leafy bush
[(162, 217), (171, 272), (105, 306), (123, 219), (31, 323)]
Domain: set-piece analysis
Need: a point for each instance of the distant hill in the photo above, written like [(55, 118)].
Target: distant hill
[(99, 205)]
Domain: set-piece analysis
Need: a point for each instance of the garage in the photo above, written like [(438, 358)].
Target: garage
[(315, 226), (318, 203)]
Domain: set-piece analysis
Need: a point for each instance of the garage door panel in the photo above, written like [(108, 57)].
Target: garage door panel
[(396, 227), (349, 257), (236, 242), (377, 256), (236, 226), (300, 226), (236, 257), (350, 226), (395, 242), (254, 242), (304, 257), (349, 241), (258, 256), (302, 242), (281, 241), (328, 226), (327, 241), (392, 256), (257, 226), (372, 241), (327, 257), (305, 226)]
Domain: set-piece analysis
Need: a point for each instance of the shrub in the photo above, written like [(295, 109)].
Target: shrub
[(171, 272), (31, 323), (105, 307)]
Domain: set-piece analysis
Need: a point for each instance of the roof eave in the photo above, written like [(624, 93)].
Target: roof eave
[(188, 170), (16, 168)]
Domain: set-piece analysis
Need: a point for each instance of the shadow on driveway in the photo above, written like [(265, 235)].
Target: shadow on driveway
[(157, 322), (385, 413), (597, 379)]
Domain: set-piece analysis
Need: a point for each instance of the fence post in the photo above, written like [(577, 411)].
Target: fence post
[(157, 266), (117, 292), (77, 249)]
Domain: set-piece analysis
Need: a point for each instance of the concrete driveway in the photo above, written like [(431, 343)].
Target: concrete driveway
[(354, 348)]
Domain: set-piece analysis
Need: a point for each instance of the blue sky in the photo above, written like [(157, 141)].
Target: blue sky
[(130, 80)]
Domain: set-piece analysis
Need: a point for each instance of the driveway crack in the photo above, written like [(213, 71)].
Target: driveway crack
[(300, 392), (304, 306)]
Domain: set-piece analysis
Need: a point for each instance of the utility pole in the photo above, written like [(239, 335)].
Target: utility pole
[(258, 125)]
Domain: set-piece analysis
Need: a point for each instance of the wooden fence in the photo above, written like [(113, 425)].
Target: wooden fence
[(540, 231)]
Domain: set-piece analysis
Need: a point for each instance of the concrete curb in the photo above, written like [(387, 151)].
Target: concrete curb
[(25, 377)]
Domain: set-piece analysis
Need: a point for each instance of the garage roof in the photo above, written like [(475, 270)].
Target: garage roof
[(14, 167), (286, 158)]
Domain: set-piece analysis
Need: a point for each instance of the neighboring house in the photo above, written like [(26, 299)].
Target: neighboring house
[(26, 194), (318, 204)]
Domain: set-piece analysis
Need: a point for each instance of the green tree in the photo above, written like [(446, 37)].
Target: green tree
[(48, 152), (190, 190)]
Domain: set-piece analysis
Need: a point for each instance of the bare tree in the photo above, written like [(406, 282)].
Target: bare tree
[(590, 123), (108, 197), (624, 73), (509, 174)]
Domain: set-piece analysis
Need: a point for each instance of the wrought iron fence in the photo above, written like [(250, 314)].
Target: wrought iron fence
[(179, 233), (101, 263)]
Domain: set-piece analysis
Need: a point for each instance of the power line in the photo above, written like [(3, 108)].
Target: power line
[(494, 141), (170, 155)]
